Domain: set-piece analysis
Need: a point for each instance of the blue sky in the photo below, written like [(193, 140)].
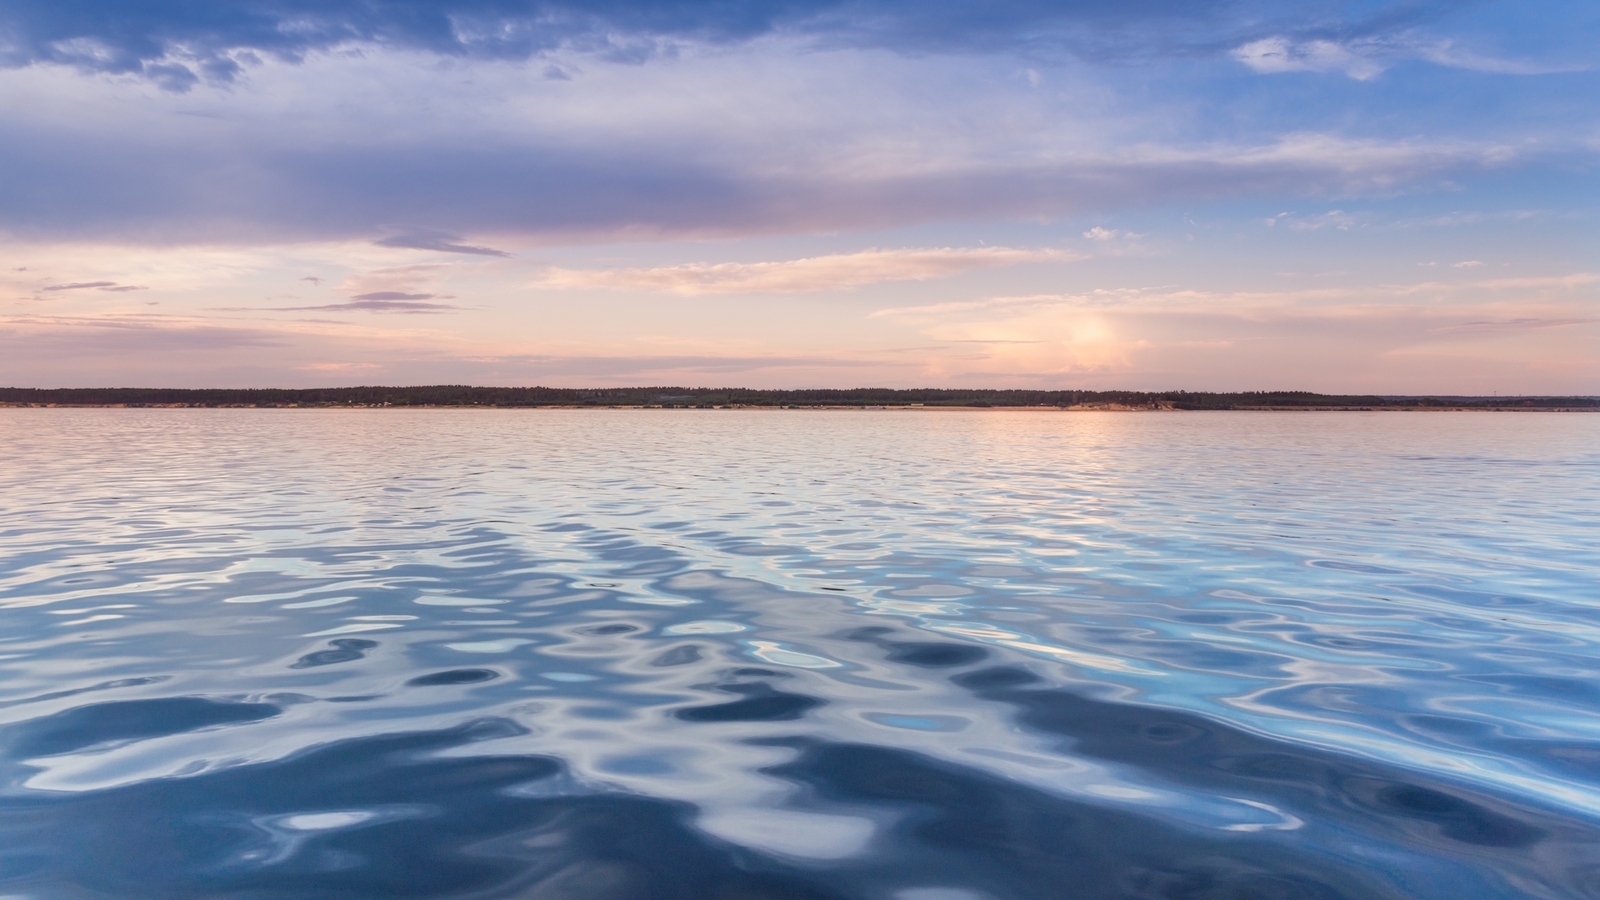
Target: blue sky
[(1388, 197)]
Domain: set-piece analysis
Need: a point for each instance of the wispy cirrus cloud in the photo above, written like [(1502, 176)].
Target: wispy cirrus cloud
[(1367, 57), (383, 301), (111, 286), (1549, 288), (397, 289), (1448, 53), (374, 302), (817, 273), (438, 241), (1094, 298), (32, 335), (1521, 322)]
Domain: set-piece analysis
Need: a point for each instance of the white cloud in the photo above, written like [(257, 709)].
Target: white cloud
[(736, 142), (1280, 54), (817, 273), (398, 279), (1549, 288), (1445, 53), (1468, 264), (1109, 234), (1367, 59), (338, 367), (1088, 299), (1336, 219)]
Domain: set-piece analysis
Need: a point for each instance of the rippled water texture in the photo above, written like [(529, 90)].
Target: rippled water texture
[(605, 655)]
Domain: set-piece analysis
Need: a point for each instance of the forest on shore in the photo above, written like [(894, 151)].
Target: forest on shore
[(722, 398)]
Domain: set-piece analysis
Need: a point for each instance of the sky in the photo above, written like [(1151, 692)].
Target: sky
[(1374, 197)]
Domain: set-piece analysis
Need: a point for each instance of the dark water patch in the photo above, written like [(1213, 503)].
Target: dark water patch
[(378, 817), (1340, 565), (341, 650), (454, 676), (104, 723), (966, 831), (870, 633), (677, 656), (936, 655), (923, 654), (1385, 803), (760, 702), (1450, 815), (613, 628)]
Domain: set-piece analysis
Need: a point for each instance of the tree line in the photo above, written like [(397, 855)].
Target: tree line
[(683, 397)]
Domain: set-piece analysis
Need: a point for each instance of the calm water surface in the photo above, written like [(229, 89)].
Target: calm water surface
[(605, 655)]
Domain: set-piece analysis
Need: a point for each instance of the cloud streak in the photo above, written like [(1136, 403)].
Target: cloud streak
[(382, 302), (374, 301), (1367, 57), (1550, 288), (443, 243), (817, 273), (544, 188), (111, 286)]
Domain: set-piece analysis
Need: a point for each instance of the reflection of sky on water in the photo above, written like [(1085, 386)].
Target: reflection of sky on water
[(1368, 594)]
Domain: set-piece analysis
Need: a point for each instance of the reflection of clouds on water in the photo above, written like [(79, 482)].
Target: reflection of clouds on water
[(703, 628), (790, 833), (668, 635), (777, 654), (504, 645)]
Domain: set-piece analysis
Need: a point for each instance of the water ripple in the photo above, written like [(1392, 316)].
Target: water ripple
[(918, 655)]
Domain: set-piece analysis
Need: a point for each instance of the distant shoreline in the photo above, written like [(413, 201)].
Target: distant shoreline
[(467, 397), (815, 408)]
